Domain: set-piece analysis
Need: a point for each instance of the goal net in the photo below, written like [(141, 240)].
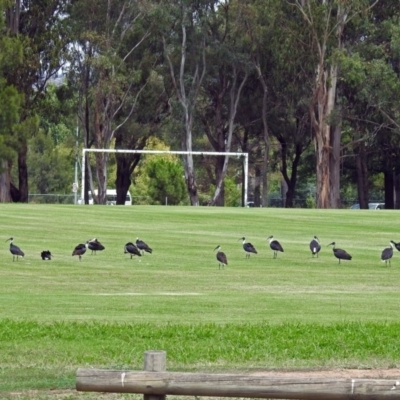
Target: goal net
[(245, 157)]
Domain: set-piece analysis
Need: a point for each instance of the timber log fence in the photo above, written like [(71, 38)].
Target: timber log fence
[(155, 383)]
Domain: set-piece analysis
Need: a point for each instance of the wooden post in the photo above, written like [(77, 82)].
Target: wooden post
[(154, 361), (156, 385)]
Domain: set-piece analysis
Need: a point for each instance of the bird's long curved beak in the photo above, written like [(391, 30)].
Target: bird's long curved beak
[(7, 240)]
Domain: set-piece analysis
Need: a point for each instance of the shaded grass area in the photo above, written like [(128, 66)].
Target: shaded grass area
[(47, 355)]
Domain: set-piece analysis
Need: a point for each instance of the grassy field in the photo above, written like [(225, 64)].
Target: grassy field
[(106, 310)]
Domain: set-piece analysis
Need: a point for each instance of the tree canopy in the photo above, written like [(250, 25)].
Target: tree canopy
[(310, 89)]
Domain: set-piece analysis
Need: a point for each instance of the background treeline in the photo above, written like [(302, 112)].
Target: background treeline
[(309, 88)]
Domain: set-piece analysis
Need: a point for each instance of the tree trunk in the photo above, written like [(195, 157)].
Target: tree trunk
[(397, 192), (291, 180), (191, 180), (219, 167), (188, 104), (101, 172), (264, 191), (234, 96), (362, 176), (321, 109), (336, 134), (123, 181), (5, 196), (257, 186), (389, 189), (126, 163), (323, 97), (23, 173)]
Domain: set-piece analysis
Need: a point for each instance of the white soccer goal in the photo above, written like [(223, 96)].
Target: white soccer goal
[(195, 153)]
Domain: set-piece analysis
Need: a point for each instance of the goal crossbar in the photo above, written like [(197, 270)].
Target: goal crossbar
[(195, 153)]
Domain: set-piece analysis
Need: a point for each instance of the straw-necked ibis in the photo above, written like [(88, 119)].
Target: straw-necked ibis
[(15, 250), (80, 250), (340, 253), (387, 253), (221, 257), (275, 246), (315, 246), (46, 255), (143, 247), (248, 247), (132, 250), (95, 245)]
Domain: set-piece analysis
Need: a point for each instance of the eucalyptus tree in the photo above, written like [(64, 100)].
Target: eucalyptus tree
[(10, 99), (228, 70), (277, 94), (40, 31), (109, 33), (147, 121), (326, 22), (370, 90), (184, 38)]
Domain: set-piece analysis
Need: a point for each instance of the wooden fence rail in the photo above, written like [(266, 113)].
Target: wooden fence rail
[(154, 383)]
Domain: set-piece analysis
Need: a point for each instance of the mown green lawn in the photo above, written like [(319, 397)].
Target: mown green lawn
[(106, 310)]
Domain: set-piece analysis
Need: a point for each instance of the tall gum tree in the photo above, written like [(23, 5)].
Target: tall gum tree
[(39, 29), (185, 54), (326, 21), (110, 86), (226, 77)]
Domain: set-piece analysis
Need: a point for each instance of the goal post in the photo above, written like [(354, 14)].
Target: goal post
[(195, 153)]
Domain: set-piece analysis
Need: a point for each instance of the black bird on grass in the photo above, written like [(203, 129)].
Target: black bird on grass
[(80, 250), (46, 255), (132, 250), (95, 245), (15, 250), (397, 245), (275, 246), (315, 246), (248, 248), (339, 253), (221, 257), (387, 253), (143, 247)]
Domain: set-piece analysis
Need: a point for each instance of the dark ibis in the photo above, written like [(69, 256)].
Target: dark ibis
[(275, 246), (143, 247), (221, 257), (132, 250), (95, 245), (315, 246), (46, 255), (339, 253), (248, 248), (80, 250), (15, 250), (397, 245), (387, 253)]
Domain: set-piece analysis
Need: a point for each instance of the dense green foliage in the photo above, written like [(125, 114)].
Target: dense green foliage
[(206, 76), (166, 183)]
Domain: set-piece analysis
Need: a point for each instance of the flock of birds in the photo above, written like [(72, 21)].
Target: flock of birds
[(315, 248), (140, 247), (94, 245)]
